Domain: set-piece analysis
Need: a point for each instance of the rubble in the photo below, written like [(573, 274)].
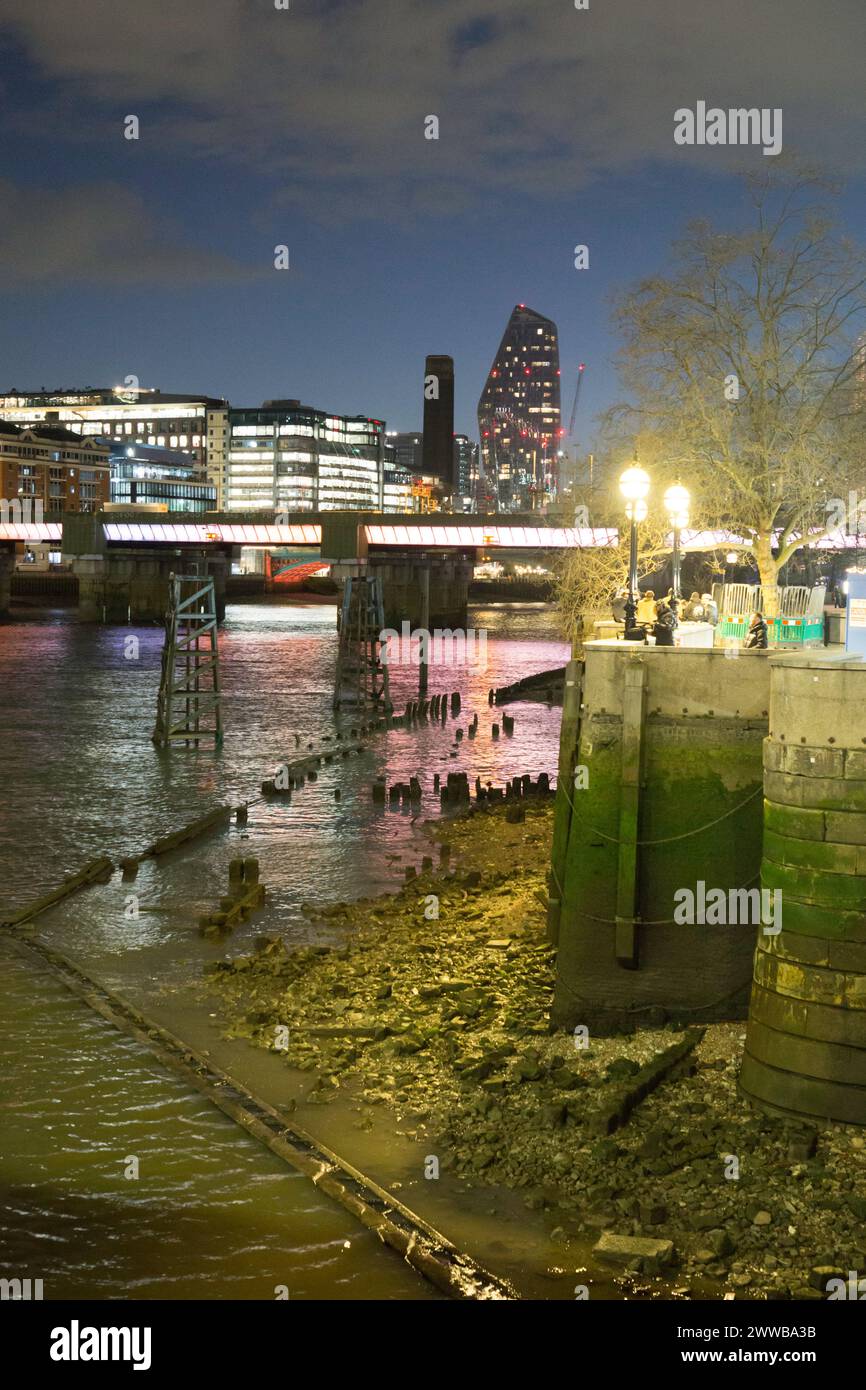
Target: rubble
[(442, 1019)]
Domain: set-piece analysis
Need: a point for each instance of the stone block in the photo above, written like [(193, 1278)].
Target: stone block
[(794, 821), (813, 762), (845, 827), (812, 854), (855, 763), (844, 891), (813, 920), (621, 1250), (808, 950)]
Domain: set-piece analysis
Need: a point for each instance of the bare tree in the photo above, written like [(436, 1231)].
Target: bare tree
[(587, 579), (746, 375)]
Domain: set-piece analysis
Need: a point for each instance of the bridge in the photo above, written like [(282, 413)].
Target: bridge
[(122, 560), (329, 534)]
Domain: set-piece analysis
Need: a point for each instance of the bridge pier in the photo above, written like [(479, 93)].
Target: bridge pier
[(130, 586), (426, 591), (7, 565)]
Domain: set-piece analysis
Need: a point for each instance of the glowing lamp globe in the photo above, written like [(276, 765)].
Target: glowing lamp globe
[(677, 502), (634, 484)]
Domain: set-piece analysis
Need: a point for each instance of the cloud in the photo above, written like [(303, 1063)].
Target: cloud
[(329, 97), (97, 232)]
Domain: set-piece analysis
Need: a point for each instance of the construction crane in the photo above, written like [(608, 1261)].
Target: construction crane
[(580, 371), (570, 468)]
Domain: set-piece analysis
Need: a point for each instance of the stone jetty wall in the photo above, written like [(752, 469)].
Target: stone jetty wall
[(665, 791), (806, 1040)]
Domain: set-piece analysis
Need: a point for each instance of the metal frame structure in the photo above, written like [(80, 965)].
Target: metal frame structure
[(188, 705), (362, 675), (800, 619)]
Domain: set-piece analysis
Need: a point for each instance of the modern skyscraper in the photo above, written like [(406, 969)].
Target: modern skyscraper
[(438, 457), (519, 413), (465, 467)]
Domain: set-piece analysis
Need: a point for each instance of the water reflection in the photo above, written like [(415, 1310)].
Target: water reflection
[(218, 1214)]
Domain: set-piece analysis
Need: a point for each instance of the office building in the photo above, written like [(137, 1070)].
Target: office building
[(519, 413), (287, 456), (194, 424), (397, 491), (50, 469), (465, 468), (143, 475), (408, 451)]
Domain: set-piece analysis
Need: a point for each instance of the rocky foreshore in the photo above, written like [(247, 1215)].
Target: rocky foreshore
[(435, 1010)]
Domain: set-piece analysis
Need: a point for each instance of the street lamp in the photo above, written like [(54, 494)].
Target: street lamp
[(634, 486), (677, 502), (730, 559)]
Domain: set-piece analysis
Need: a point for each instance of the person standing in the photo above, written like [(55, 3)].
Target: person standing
[(646, 609), (664, 625), (756, 639), (693, 612), (711, 611)]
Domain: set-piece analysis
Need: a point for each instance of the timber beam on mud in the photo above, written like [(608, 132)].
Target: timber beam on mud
[(221, 815), (671, 1064), (543, 685), (423, 1247), (97, 871)]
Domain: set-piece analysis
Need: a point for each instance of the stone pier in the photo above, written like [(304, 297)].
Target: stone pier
[(130, 586), (660, 790), (7, 565), (405, 581), (806, 1039)]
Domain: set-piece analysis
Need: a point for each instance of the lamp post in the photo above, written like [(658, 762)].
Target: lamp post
[(677, 502), (634, 486)]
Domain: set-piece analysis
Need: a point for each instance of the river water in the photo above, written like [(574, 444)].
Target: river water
[(212, 1214)]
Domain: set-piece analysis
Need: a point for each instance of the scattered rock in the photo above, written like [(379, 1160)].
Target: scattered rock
[(621, 1250)]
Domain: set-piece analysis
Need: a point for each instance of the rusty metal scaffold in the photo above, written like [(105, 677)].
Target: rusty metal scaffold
[(188, 706), (362, 675)]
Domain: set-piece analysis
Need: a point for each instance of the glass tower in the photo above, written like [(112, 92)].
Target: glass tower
[(519, 415)]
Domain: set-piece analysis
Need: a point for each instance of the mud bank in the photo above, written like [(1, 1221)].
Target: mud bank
[(433, 1017)]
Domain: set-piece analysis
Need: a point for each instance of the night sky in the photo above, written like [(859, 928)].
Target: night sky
[(305, 126)]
